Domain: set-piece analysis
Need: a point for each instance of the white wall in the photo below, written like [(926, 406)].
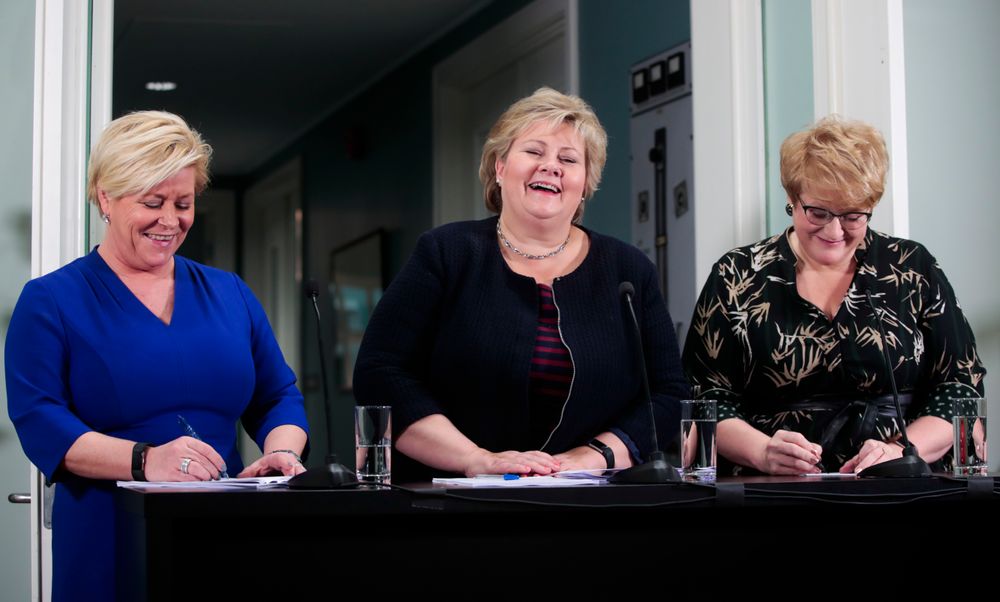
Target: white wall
[(952, 87), (728, 99), (17, 26)]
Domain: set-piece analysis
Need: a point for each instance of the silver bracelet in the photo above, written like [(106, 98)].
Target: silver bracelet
[(286, 451)]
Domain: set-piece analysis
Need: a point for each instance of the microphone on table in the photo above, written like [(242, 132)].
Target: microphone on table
[(332, 475), (656, 469), (911, 464)]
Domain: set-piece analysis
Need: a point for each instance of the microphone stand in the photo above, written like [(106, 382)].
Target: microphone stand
[(656, 469), (332, 475), (911, 464)]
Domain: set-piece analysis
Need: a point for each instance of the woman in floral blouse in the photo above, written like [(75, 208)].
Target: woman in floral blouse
[(785, 337)]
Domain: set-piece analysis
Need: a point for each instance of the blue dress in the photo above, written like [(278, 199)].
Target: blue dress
[(84, 354)]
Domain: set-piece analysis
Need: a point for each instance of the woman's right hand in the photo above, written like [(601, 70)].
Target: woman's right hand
[(789, 453), (483, 461), (163, 462)]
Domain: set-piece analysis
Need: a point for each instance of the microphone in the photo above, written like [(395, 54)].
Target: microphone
[(311, 289), (656, 469), (911, 464), (332, 475)]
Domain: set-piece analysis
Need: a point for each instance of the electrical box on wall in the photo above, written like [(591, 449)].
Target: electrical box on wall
[(662, 153), (662, 78)]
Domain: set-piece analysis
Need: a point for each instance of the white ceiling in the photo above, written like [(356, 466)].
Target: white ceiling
[(252, 75)]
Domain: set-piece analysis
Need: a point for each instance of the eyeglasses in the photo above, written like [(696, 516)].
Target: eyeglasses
[(851, 220)]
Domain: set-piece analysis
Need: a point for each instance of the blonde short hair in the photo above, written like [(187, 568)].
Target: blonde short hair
[(556, 108), (139, 150), (845, 157)]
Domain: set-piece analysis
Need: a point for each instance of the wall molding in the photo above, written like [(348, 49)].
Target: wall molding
[(72, 98), (859, 72), (728, 98)]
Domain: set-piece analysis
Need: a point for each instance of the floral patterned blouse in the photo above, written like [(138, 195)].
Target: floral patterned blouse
[(777, 361)]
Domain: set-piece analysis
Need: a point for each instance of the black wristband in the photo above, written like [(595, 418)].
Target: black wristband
[(139, 461), (599, 446)]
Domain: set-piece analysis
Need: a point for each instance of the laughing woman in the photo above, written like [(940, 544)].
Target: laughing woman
[(503, 345)]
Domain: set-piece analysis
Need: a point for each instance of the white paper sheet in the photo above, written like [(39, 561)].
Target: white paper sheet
[(220, 485), (569, 478)]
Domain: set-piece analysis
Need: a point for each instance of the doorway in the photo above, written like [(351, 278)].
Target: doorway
[(272, 262)]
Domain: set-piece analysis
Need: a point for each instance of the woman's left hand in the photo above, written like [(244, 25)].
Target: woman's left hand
[(274, 463), (581, 458), (872, 452)]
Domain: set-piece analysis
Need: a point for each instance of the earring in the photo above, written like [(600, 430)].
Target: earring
[(106, 218), (788, 210), (499, 182)]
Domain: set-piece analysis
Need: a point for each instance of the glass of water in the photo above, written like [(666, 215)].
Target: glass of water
[(373, 444), (969, 422), (698, 450)]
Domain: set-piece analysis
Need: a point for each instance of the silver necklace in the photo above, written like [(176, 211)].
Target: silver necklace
[(517, 251)]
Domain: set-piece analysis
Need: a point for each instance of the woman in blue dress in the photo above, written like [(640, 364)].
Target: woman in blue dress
[(105, 354)]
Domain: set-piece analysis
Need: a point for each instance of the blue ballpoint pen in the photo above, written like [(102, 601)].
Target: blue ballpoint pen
[(190, 432)]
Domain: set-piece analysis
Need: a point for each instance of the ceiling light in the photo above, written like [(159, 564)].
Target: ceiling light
[(161, 86)]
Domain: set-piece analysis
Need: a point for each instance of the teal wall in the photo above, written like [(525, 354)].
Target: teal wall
[(953, 141), (788, 91), (613, 36), (17, 32)]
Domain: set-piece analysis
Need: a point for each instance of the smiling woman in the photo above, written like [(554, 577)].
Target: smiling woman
[(153, 223), (144, 174), (105, 355), (786, 332), (503, 345)]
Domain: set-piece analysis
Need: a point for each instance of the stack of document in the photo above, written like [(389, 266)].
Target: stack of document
[(566, 478), (244, 483)]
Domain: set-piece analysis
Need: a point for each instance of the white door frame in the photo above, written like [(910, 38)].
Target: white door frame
[(70, 102), (728, 99), (526, 28)]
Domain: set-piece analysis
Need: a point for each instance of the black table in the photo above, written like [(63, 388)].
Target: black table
[(793, 538)]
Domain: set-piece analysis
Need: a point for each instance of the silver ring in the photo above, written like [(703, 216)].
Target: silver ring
[(185, 462)]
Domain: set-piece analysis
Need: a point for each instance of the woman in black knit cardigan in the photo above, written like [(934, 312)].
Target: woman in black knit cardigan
[(504, 346)]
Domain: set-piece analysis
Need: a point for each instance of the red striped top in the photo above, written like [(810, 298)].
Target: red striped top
[(551, 370)]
